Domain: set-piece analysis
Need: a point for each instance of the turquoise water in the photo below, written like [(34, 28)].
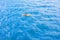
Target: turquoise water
[(43, 24)]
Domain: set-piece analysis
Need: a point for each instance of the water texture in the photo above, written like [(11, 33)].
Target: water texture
[(43, 24)]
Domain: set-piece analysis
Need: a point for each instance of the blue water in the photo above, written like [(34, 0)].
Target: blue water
[(43, 24)]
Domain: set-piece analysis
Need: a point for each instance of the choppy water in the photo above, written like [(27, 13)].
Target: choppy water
[(43, 24)]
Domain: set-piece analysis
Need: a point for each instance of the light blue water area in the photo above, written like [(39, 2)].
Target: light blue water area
[(42, 24)]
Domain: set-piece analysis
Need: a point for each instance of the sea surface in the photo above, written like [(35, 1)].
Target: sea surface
[(42, 24)]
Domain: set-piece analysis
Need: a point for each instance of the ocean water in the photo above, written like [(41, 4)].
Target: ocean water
[(43, 24)]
